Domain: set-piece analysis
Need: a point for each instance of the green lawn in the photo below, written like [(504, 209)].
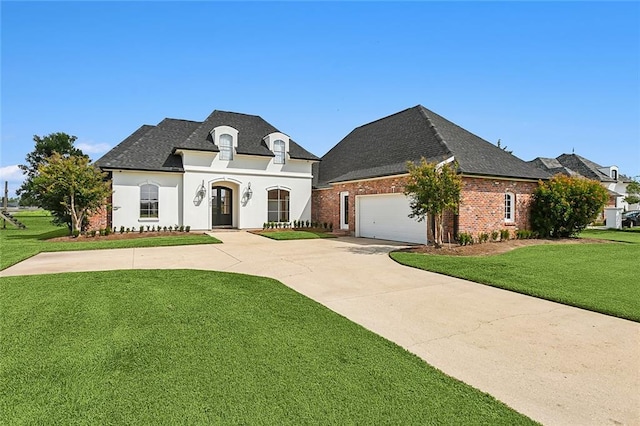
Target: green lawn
[(195, 347), (628, 235), (599, 277), (19, 244), (294, 235)]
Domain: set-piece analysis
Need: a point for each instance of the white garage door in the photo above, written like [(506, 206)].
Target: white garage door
[(387, 217)]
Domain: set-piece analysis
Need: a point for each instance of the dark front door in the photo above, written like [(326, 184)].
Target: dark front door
[(221, 202)]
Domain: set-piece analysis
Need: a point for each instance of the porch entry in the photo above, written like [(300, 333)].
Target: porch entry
[(221, 206)]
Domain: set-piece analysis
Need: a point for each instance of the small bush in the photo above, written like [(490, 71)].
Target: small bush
[(181, 228), (495, 235), (170, 228), (164, 228), (504, 235), (187, 228), (75, 233), (141, 229), (525, 234), (307, 223), (128, 230), (107, 231), (483, 237), (102, 232), (464, 238), (122, 229), (325, 225), (330, 226)]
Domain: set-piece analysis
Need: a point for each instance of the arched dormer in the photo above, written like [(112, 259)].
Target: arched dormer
[(226, 139), (278, 143)]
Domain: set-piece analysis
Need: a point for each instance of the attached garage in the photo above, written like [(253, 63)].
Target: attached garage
[(386, 217)]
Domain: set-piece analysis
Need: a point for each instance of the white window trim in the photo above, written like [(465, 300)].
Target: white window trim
[(512, 202), (343, 224), (230, 147), (148, 219), (279, 212), (282, 143)]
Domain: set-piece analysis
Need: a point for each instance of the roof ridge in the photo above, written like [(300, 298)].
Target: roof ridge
[(384, 118), (423, 111), (180, 119)]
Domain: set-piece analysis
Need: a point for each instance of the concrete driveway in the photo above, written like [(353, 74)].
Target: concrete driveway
[(556, 364)]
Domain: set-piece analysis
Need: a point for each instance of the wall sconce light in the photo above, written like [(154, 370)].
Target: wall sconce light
[(249, 191), (201, 193)]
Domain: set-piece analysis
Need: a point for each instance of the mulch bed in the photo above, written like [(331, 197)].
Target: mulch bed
[(489, 248)]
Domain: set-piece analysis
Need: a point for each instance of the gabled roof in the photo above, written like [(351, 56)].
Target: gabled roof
[(552, 166), (584, 167), (382, 148), (576, 165), (153, 148)]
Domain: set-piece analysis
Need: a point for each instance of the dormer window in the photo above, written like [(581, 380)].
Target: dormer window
[(226, 147), (279, 151), (614, 174)]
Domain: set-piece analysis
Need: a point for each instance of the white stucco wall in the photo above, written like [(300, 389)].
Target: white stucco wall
[(126, 198), (203, 170), (185, 198)]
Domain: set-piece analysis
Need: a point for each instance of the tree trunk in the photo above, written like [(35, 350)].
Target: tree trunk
[(437, 231)]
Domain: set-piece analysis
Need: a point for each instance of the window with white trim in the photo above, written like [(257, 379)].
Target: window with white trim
[(226, 147), (149, 201), (278, 205), (279, 151), (509, 200), (614, 174)]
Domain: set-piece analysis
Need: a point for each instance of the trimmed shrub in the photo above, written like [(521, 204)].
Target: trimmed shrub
[(483, 237), (187, 228), (563, 206), (122, 229), (495, 235), (465, 239), (504, 234)]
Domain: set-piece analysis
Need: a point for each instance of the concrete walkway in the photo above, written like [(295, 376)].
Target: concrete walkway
[(557, 364)]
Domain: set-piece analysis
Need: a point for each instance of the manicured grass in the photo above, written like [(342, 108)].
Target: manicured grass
[(295, 235), (598, 277), (200, 347), (628, 235), (19, 244)]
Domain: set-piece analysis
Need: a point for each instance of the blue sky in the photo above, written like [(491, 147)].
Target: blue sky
[(546, 78)]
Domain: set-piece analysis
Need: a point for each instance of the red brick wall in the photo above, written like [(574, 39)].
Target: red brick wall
[(481, 207), (325, 203), (98, 220)]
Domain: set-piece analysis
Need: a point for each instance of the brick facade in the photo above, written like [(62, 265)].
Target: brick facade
[(481, 207)]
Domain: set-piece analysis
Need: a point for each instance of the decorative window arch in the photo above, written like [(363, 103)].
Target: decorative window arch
[(149, 201), (279, 150), (509, 206), (226, 146), (278, 205)]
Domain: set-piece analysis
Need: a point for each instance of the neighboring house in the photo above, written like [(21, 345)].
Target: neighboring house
[(575, 165), (359, 183), (231, 170)]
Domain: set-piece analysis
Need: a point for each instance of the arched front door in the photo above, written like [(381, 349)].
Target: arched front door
[(221, 206)]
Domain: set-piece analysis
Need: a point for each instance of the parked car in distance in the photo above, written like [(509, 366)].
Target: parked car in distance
[(631, 218)]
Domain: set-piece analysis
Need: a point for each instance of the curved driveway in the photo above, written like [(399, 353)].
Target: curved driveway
[(554, 363)]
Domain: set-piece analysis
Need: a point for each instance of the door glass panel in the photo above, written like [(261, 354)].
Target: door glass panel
[(346, 209)]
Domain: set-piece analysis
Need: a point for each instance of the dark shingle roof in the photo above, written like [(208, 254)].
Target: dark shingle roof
[(552, 166), (383, 147), (153, 147), (586, 168)]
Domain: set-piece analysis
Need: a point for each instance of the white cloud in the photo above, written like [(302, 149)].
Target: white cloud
[(11, 173), (93, 147)]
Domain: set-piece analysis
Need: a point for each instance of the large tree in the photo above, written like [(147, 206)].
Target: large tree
[(45, 147), (72, 184), (563, 206), (432, 189)]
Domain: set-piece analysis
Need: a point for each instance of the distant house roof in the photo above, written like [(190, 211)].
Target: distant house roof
[(382, 148), (552, 166), (152, 148), (574, 164)]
